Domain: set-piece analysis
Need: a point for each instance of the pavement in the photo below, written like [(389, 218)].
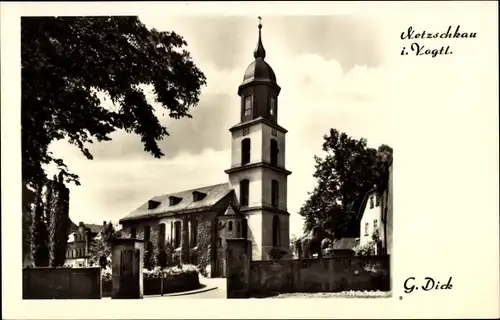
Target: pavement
[(212, 288)]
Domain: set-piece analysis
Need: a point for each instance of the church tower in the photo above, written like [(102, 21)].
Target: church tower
[(257, 172)]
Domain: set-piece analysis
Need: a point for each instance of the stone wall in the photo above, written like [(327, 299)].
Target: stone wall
[(320, 275), (265, 278), (205, 249), (62, 283)]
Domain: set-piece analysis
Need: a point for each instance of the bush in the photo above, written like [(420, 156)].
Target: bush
[(175, 279), (168, 273), (106, 274), (367, 249), (276, 253)]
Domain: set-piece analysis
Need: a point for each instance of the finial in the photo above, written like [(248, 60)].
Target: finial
[(259, 51)]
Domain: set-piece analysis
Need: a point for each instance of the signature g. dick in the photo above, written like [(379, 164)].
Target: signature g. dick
[(427, 284)]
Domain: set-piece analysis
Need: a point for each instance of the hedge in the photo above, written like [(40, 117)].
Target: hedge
[(175, 279)]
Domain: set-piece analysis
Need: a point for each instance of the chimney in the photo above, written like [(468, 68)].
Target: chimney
[(104, 223), (81, 224)]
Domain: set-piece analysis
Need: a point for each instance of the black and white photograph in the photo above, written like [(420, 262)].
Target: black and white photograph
[(246, 156), (188, 164)]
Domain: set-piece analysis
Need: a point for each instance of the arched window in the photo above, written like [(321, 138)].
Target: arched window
[(161, 235), (177, 234), (274, 152), (230, 227), (245, 151), (272, 106), (275, 187), (244, 191), (248, 106), (244, 229), (194, 232), (276, 231)]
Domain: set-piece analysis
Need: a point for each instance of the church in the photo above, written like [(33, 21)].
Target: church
[(251, 204)]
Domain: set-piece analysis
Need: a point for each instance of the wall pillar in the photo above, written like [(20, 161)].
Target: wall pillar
[(127, 264), (185, 240), (238, 257)]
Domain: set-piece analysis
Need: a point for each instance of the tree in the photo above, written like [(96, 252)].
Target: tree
[(100, 247), (149, 256), (348, 171), (57, 212), (29, 197), (39, 246), (67, 61), (47, 235)]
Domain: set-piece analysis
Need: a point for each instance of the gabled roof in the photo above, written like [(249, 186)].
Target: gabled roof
[(365, 200), (214, 194), (345, 244), (94, 228), (230, 211)]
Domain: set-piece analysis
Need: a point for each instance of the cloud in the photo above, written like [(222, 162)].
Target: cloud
[(319, 92), (228, 41)]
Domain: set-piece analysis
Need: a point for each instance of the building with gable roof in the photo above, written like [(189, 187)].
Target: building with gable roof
[(251, 205)]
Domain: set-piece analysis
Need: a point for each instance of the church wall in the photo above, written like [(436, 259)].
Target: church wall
[(254, 221), (267, 135), (254, 177), (255, 145), (267, 232), (268, 175)]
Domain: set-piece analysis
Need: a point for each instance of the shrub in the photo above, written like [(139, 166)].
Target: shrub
[(367, 249), (276, 253), (156, 273), (106, 274)]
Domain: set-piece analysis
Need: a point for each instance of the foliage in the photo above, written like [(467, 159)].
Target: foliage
[(293, 244), (348, 171), (368, 249), (101, 245), (106, 274), (276, 253), (67, 61), (29, 197), (168, 273), (326, 243), (39, 246), (161, 259), (328, 252), (149, 256), (57, 211)]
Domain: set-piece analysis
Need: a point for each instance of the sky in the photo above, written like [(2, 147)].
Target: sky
[(330, 69)]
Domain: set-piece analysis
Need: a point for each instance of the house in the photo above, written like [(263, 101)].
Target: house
[(376, 214), (344, 247), (251, 204), (79, 241)]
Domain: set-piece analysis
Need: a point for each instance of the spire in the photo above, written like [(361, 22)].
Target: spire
[(259, 52)]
